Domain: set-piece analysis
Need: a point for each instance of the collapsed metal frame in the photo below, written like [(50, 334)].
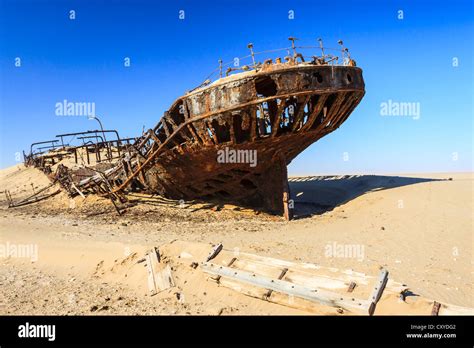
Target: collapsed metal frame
[(95, 147), (35, 197), (42, 156)]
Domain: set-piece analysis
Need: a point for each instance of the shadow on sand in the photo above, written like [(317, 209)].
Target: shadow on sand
[(316, 195)]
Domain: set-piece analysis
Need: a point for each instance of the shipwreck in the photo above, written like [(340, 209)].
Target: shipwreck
[(264, 112)]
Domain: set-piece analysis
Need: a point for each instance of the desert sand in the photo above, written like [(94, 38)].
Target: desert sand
[(418, 226)]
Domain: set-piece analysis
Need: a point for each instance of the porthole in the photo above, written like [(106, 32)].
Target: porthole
[(318, 77)]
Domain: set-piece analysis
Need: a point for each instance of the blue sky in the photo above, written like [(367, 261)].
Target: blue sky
[(404, 60)]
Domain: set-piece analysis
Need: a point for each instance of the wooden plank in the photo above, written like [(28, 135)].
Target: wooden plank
[(334, 278), (313, 276), (287, 210), (278, 298), (316, 295), (164, 279), (159, 274), (214, 252), (305, 270), (378, 289), (151, 278), (436, 307), (316, 281), (218, 278), (282, 274), (379, 286), (77, 190), (296, 276)]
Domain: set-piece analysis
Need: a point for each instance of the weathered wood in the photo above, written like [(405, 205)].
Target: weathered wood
[(295, 275), (151, 277), (287, 208), (164, 278), (333, 278), (218, 278), (378, 289), (159, 274), (282, 274), (277, 297), (335, 281), (316, 295), (214, 252), (436, 307), (77, 190)]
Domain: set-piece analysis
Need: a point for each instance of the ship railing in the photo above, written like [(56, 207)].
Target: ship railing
[(328, 56)]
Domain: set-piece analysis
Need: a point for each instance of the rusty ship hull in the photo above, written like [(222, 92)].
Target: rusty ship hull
[(271, 110), (278, 111)]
